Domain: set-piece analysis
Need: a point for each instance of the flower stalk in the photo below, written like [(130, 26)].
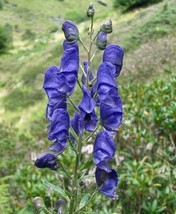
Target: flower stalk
[(100, 95)]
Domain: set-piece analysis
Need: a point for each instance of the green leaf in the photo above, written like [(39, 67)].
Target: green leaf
[(59, 190), (84, 200)]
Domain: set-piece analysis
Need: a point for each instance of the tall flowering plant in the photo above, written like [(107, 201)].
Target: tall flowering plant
[(97, 116)]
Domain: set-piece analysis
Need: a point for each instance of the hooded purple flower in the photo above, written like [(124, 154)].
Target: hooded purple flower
[(101, 40), (69, 69), (87, 112), (59, 130), (64, 78), (107, 182), (104, 150), (106, 84), (47, 160), (110, 116), (114, 54), (70, 31)]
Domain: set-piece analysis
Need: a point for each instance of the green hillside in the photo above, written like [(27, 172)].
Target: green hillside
[(147, 86)]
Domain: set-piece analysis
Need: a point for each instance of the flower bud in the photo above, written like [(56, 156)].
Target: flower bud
[(38, 203), (101, 41), (70, 31), (107, 26), (47, 160), (90, 10), (59, 205)]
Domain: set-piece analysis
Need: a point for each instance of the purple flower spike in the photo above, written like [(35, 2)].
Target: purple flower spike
[(70, 31), (111, 116), (59, 129), (114, 54), (107, 182), (104, 150), (47, 160), (101, 40), (88, 120)]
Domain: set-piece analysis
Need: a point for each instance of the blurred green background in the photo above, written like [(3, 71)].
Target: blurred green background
[(30, 41)]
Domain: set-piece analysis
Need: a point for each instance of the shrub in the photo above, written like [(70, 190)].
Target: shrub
[(131, 4), (5, 38)]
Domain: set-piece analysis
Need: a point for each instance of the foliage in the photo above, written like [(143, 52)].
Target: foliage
[(147, 150), (5, 38), (131, 4), (4, 196)]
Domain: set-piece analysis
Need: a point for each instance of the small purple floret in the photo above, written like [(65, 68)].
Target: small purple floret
[(47, 160), (107, 182)]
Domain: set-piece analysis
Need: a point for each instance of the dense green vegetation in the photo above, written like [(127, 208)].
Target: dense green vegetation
[(145, 158), (132, 4)]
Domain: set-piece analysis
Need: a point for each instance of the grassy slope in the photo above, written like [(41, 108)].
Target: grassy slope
[(22, 73)]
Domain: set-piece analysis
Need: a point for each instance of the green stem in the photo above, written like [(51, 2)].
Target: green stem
[(72, 103), (89, 52), (97, 127), (73, 203), (83, 45), (64, 170)]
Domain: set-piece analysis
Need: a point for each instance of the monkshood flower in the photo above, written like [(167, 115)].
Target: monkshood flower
[(101, 40), (70, 31), (111, 117), (107, 26), (107, 182), (91, 76), (64, 78), (114, 54), (104, 150), (47, 160), (58, 130), (88, 119), (106, 85)]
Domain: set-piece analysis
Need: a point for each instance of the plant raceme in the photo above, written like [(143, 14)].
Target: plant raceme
[(98, 114)]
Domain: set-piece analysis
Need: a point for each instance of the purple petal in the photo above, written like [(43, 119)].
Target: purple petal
[(59, 125), (70, 61), (51, 78), (67, 45), (47, 160), (111, 116), (58, 146), (104, 150), (114, 54), (70, 31), (87, 104)]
